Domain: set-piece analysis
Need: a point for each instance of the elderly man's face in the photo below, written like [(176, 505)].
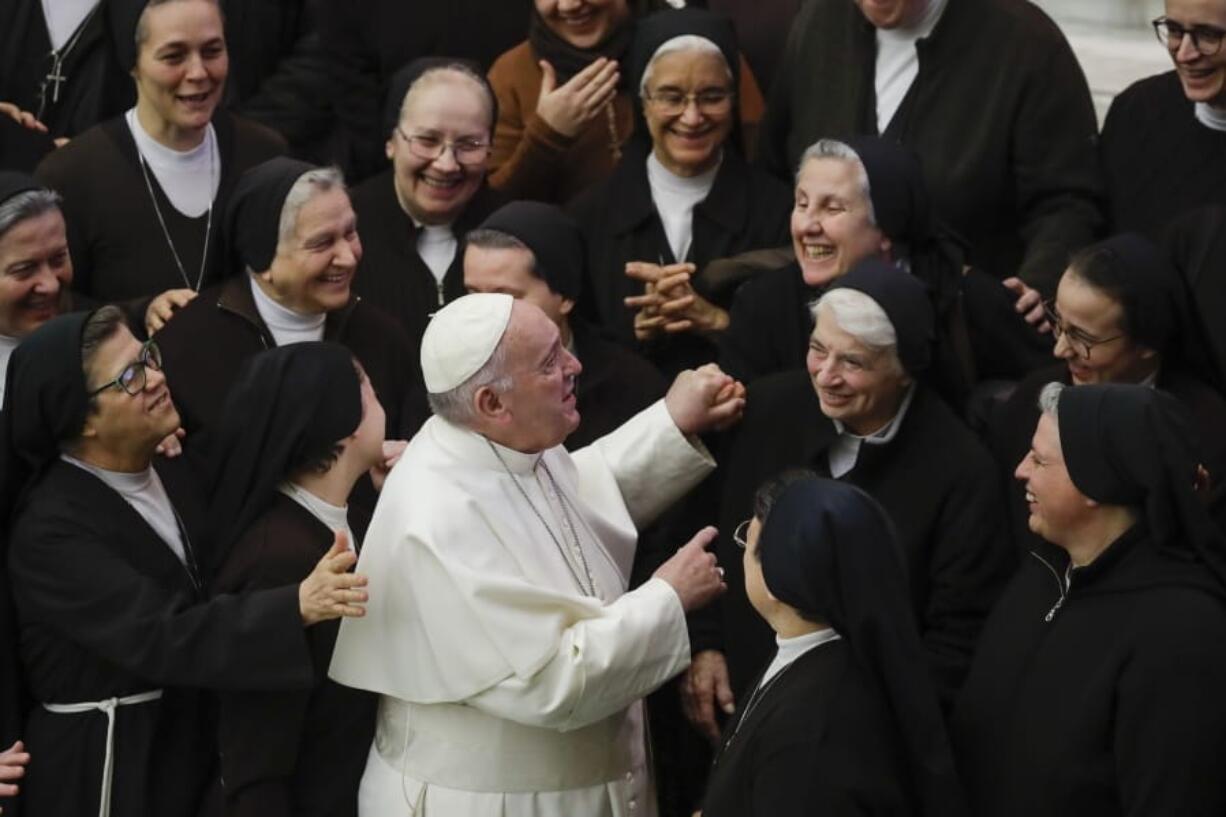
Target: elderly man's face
[(831, 225), (892, 13), (312, 272), (856, 385), (510, 271), (35, 272), (541, 400), (1203, 76), (688, 141), (1092, 322), (122, 422), (1056, 506), (450, 114)]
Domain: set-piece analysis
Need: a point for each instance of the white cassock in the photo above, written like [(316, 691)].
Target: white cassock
[(507, 687)]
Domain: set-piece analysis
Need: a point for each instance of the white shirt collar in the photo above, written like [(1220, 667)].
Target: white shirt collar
[(888, 431), (475, 449), (921, 28), (286, 325), (1210, 116), (793, 648)]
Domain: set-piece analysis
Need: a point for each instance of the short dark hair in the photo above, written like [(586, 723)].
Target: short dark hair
[(101, 326), (1103, 269), (768, 492)]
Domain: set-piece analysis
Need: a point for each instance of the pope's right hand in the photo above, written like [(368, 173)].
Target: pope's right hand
[(331, 591), (692, 572)]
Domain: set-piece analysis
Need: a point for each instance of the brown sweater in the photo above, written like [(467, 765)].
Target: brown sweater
[(531, 160)]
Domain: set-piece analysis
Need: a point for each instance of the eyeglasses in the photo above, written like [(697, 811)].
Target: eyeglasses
[(132, 379), (741, 534), (1205, 39), (1081, 343), (671, 103), (430, 146)]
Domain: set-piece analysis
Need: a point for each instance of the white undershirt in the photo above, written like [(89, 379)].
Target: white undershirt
[(286, 325), (64, 17), (675, 198), (7, 345), (845, 449), (1210, 116), (436, 245), (792, 648), (898, 61), (147, 496), (335, 517), (189, 178)]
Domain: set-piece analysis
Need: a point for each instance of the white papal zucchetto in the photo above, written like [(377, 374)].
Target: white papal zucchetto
[(461, 337)]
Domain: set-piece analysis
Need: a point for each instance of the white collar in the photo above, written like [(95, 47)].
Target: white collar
[(1211, 117), (279, 317), (888, 431), (922, 28), (659, 176), (475, 449), (123, 482)]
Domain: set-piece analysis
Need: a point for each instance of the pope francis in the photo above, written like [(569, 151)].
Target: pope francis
[(509, 656)]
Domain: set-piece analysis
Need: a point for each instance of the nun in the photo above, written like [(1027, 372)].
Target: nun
[(862, 412), (119, 642), (1121, 315), (438, 123), (1097, 687), (145, 192), (681, 196), (866, 198), (299, 427), (843, 720), (296, 249)]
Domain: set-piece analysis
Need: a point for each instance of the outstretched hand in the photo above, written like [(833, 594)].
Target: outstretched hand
[(693, 573), (705, 399), (1029, 303), (580, 99), (331, 591)]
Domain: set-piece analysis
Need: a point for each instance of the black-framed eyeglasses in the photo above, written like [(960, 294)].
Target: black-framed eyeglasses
[(1081, 343), (671, 103), (430, 146), (741, 534), (132, 379), (1206, 39)]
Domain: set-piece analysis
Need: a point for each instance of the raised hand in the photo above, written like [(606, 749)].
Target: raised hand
[(705, 399), (331, 591), (693, 573), (568, 108), (1029, 303)]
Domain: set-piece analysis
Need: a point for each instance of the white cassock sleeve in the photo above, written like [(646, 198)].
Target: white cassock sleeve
[(602, 665)]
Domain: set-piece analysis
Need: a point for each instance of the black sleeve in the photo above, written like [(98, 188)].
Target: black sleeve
[(66, 579)]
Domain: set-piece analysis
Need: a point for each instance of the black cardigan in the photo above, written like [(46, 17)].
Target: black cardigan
[(1000, 114), (745, 210), (934, 479)]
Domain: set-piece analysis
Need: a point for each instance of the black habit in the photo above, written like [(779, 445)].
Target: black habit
[(119, 251), (391, 274), (299, 753), (96, 84), (1159, 160), (1107, 704), (106, 609), (934, 479), (615, 385), (745, 210), (208, 340), (821, 742), (1000, 114), (1014, 422)]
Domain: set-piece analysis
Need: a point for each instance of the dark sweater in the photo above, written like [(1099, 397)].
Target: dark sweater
[(1158, 159), (1000, 115)]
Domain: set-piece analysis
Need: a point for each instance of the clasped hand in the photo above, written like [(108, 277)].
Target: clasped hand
[(669, 302)]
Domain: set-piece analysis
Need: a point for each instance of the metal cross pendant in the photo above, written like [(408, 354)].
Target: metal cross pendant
[(56, 78)]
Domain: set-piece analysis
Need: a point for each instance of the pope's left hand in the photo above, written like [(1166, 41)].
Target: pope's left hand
[(705, 399)]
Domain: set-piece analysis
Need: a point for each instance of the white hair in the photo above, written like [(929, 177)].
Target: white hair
[(684, 42), (1049, 399), (445, 73), (314, 181), (834, 149), (456, 406), (861, 317), (26, 205)]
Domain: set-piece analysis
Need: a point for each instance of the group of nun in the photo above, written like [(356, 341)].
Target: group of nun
[(971, 529)]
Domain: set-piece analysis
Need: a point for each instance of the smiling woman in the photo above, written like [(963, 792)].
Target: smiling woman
[(142, 191)]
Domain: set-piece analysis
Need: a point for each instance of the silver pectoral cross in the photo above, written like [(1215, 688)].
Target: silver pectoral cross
[(55, 76)]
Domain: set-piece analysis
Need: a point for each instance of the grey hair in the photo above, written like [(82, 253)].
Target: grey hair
[(27, 204), (456, 406), (142, 26), (486, 239), (316, 180), (861, 317), (1049, 399), (834, 149), (684, 42), (432, 75)]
